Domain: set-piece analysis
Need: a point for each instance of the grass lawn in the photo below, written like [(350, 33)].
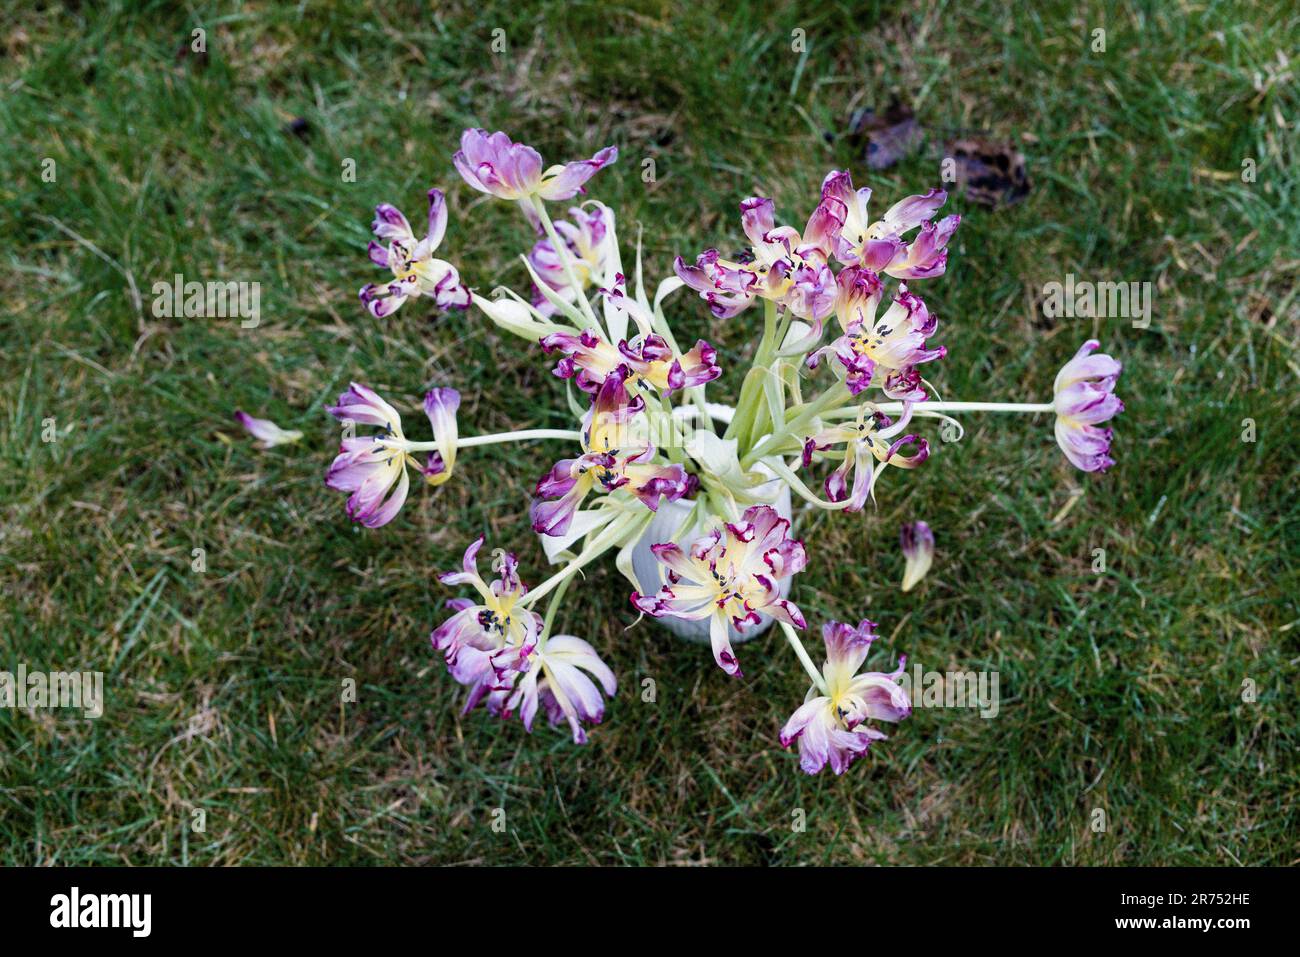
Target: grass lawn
[(1120, 691)]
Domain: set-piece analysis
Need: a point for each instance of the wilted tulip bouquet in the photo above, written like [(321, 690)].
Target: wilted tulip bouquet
[(691, 496)]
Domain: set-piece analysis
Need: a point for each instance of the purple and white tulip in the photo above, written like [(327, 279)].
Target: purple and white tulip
[(917, 542), (647, 360), (373, 467), (782, 265), (267, 433), (884, 351), (497, 649), (612, 459), (1084, 395), (880, 246), (415, 270), (493, 164), (871, 443), (555, 679), (831, 728), (730, 575), (486, 644)]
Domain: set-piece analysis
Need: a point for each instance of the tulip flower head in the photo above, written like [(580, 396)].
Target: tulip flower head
[(494, 164), (487, 643), (879, 246), (612, 459), (831, 727), (782, 265), (555, 679), (871, 443), (730, 575), (499, 651), (374, 467), (415, 271), (884, 351), (1084, 398), (646, 361)]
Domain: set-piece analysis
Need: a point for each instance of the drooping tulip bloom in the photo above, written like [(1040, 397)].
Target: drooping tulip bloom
[(883, 351), (612, 459), (880, 246), (555, 679), (415, 270), (373, 467), (268, 434), (782, 265), (493, 164), (917, 542), (871, 444), (497, 649), (587, 241), (730, 575), (486, 643), (374, 473), (1085, 397), (831, 728)]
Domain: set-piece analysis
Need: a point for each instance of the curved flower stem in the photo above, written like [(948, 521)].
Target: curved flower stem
[(772, 443), (778, 341), (618, 532), (523, 435), (469, 441), (802, 490), (802, 653), (775, 326), (893, 408), (747, 408), (551, 609), (562, 251)]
